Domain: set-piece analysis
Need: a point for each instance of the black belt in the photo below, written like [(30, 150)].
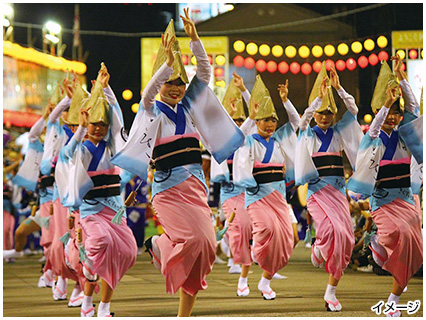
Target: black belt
[(46, 181), (177, 153), (268, 174), (105, 186), (394, 176), (329, 165), (230, 164)]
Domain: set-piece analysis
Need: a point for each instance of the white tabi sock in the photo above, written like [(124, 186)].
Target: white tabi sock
[(87, 302), (103, 309), (394, 298), (264, 284), (242, 282), (330, 293)]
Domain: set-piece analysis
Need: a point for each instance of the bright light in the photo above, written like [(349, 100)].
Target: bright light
[(356, 47), (317, 51), (251, 48), (127, 94), (304, 52), (264, 50), (52, 38), (401, 54), (7, 10), (382, 41), (53, 27), (277, 51), (329, 50), (6, 23), (343, 49), (135, 107), (17, 88), (369, 44), (290, 52), (229, 7), (239, 46), (220, 60)]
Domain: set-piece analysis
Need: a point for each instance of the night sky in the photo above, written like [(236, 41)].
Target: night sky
[(122, 55)]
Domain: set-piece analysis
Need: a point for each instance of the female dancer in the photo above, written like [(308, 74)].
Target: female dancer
[(319, 162), (263, 164), (398, 245)]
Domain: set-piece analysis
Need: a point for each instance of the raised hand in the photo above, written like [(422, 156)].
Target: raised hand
[(391, 96), (238, 81), (323, 88), (104, 77), (398, 67), (233, 107), (189, 26), (283, 89), (253, 110), (48, 110), (168, 44), (334, 78), (83, 117)]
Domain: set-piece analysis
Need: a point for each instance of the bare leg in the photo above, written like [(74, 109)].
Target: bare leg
[(89, 288), (186, 304), (396, 289), (107, 292), (244, 271), (27, 227), (295, 234), (332, 281), (267, 275)]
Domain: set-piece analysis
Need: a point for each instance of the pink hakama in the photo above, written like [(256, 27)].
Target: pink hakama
[(8, 226), (335, 238), (188, 247), (399, 232), (272, 232), (239, 231), (111, 247), (57, 255), (418, 208), (47, 234)]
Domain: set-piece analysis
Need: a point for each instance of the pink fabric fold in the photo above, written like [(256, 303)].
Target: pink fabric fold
[(8, 226), (176, 137), (188, 247), (272, 232), (113, 170), (321, 154), (418, 208), (397, 161), (111, 247), (399, 232), (47, 234), (239, 231), (335, 238), (263, 165)]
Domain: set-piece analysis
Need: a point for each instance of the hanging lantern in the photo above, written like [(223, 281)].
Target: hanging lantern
[(329, 50), (363, 62), (383, 56), (369, 44), (368, 118), (317, 51), (239, 46), (306, 68), (185, 59), (382, 41), (340, 65), (401, 54), (219, 72), (283, 67), (127, 94), (316, 66), (260, 65), (251, 48), (356, 47), (304, 52), (249, 63), (328, 64), (290, 52), (277, 51), (413, 54), (135, 107), (271, 66), (264, 50), (295, 68), (351, 64), (220, 60), (343, 49), (238, 61), (373, 59)]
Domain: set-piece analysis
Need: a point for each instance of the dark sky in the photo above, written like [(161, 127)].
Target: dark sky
[(122, 55)]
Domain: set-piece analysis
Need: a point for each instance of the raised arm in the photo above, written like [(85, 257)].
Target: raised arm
[(38, 127), (346, 97), (293, 115), (411, 101), (309, 112), (203, 64), (79, 135)]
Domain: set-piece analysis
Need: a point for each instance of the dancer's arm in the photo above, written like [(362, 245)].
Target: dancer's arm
[(309, 112), (38, 127), (293, 115), (348, 99)]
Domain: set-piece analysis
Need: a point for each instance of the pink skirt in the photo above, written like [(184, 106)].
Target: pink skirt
[(399, 232), (57, 254), (272, 232), (111, 247), (335, 238), (47, 233), (240, 231), (188, 247), (8, 226), (418, 208)]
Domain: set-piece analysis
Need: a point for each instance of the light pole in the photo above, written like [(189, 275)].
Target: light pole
[(52, 36), (8, 14)]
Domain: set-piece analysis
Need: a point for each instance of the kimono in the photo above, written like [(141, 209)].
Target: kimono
[(179, 192), (319, 163), (383, 173)]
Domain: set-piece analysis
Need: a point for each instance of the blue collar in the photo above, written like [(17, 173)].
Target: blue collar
[(269, 145), (324, 137), (68, 133), (390, 144), (178, 118), (96, 151)]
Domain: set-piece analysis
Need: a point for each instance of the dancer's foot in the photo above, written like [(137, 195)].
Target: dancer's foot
[(265, 288), (235, 269), (316, 257), (278, 276), (331, 302), (154, 251), (243, 288), (76, 299), (12, 254)]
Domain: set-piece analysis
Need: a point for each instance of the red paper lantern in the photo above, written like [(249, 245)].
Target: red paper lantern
[(340, 65), (238, 61), (283, 67), (363, 62), (306, 68), (295, 68), (210, 59), (185, 59), (271, 66), (373, 59), (260, 65), (317, 66), (383, 55), (328, 64), (219, 72), (249, 63), (403, 66), (351, 64), (413, 54)]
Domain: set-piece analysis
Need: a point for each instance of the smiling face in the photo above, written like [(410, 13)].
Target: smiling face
[(393, 119), (266, 127), (172, 92), (97, 131), (324, 119)]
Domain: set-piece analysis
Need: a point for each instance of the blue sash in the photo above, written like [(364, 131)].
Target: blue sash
[(324, 137), (268, 145), (68, 132), (390, 144), (231, 157), (178, 118), (96, 151)]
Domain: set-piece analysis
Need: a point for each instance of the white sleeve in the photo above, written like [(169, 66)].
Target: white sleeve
[(247, 126), (377, 122), (348, 100), (109, 94), (411, 101), (60, 107), (309, 113), (246, 96), (36, 130), (293, 115), (154, 85), (204, 71)]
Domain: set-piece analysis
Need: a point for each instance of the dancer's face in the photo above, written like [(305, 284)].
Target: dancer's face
[(266, 127), (97, 131), (172, 92), (393, 119), (324, 119)]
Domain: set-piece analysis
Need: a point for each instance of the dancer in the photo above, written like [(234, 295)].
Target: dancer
[(383, 172), (262, 166), (167, 133), (319, 162), (97, 182)]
